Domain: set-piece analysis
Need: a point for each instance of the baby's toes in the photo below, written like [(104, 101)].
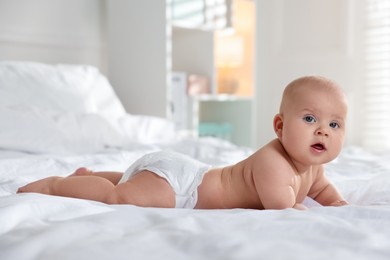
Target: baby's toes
[(21, 190)]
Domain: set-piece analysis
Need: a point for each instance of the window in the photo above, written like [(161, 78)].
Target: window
[(377, 85), (206, 14)]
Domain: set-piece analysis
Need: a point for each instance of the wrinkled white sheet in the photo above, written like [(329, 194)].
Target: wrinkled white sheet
[(34, 226), (32, 129)]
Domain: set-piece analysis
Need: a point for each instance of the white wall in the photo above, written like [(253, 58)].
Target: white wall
[(51, 31), (137, 54), (301, 37), (192, 52)]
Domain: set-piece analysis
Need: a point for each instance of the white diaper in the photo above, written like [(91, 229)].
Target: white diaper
[(182, 172)]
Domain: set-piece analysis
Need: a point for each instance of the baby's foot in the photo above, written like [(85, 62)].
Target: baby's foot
[(41, 186), (82, 172)]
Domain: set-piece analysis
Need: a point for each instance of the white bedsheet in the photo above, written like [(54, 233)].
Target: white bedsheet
[(34, 226)]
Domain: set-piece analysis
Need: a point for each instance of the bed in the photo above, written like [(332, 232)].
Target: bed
[(55, 118)]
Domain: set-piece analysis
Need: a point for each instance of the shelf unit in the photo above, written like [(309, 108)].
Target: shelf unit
[(229, 116), (224, 116)]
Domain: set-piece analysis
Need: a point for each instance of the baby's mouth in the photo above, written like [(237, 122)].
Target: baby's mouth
[(319, 147)]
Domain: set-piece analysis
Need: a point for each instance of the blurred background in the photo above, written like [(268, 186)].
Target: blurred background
[(216, 67)]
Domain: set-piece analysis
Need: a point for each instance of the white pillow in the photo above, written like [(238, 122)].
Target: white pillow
[(39, 131), (61, 87)]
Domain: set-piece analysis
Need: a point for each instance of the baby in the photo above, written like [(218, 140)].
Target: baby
[(310, 129)]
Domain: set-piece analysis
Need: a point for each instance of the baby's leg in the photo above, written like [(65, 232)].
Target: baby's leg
[(83, 187), (41, 186), (145, 189), (113, 177)]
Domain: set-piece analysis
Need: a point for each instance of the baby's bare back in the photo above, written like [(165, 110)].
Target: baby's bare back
[(228, 187)]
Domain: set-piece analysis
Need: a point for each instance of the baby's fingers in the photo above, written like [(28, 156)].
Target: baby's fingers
[(339, 203)]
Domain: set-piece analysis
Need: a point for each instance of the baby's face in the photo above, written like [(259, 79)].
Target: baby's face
[(314, 125)]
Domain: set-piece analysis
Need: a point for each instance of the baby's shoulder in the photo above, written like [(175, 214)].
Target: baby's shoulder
[(271, 151), (271, 156)]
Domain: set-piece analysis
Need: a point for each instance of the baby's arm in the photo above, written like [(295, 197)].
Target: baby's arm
[(329, 196), (277, 196), (324, 192), (274, 177), (274, 187)]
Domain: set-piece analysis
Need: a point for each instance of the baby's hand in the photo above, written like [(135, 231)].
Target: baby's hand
[(300, 206), (338, 203)]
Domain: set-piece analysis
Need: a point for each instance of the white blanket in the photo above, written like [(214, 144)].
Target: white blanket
[(34, 226)]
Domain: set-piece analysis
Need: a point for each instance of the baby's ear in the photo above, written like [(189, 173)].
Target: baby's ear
[(278, 125)]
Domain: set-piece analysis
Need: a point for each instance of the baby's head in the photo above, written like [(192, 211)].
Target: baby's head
[(309, 85), (311, 119)]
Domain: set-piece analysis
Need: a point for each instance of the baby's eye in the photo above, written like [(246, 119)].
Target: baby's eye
[(334, 125), (309, 119)]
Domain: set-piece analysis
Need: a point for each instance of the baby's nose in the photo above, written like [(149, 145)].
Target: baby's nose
[(321, 132)]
